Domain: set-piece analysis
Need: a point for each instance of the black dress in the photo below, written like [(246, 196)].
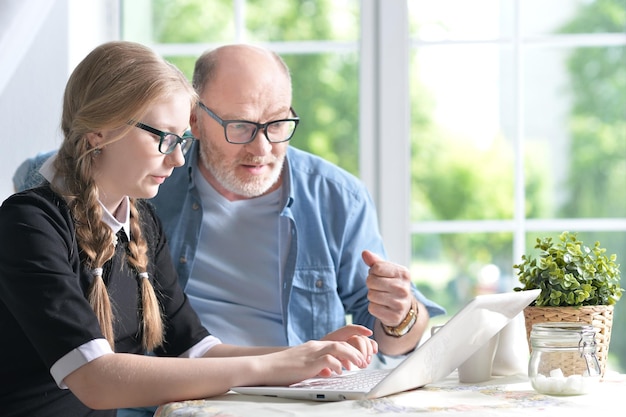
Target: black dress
[(44, 312)]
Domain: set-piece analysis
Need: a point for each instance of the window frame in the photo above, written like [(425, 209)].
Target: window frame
[(384, 149)]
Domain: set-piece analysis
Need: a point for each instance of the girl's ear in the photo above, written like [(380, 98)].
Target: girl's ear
[(94, 139)]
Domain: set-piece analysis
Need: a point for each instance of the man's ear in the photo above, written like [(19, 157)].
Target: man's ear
[(94, 139), (193, 123)]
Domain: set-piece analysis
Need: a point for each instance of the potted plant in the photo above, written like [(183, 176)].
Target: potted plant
[(578, 284)]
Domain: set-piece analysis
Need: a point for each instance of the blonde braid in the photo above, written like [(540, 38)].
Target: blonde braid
[(152, 321), (95, 237), (99, 300)]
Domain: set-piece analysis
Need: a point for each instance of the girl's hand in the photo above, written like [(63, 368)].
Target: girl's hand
[(313, 358), (358, 337)]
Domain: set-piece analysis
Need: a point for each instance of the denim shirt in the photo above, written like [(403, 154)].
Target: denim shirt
[(333, 219)]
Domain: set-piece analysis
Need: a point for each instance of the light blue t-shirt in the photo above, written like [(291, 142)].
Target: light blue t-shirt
[(235, 280)]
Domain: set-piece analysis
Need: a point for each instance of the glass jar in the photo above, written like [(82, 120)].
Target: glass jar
[(563, 358)]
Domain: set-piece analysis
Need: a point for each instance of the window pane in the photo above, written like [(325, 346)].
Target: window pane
[(178, 21), (184, 63), (575, 133), (453, 268), (541, 17), (308, 20), (325, 96), (462, 158), (460, 19)]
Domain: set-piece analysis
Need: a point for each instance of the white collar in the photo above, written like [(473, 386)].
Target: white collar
[(115, 224)]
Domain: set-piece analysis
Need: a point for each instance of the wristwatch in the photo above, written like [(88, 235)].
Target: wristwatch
[(406, 325)]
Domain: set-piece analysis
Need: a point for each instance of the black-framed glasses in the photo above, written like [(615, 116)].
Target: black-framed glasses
[(167, 140), (243, 131)]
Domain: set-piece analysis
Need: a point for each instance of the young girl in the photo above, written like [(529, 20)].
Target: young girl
[(86, 280)]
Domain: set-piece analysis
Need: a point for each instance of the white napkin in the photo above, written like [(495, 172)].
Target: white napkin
[(512, 352)]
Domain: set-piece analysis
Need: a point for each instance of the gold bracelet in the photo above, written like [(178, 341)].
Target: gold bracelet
[(406, 325)]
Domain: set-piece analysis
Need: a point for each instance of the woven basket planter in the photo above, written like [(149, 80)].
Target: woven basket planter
[(600, 317)]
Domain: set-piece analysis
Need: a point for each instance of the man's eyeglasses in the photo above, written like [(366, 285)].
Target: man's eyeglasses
[(168, 140), (244, 131)]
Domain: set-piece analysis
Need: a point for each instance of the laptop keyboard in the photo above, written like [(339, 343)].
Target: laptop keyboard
[(350, 381)]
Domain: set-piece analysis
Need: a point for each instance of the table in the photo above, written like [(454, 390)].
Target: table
[(501, 396)]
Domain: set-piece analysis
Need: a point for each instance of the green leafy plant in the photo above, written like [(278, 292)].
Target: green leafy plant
[(570, 273)]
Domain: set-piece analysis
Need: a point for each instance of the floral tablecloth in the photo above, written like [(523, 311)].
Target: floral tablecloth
[(505, 396)]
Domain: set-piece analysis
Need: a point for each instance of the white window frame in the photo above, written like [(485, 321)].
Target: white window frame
[(384, 148)]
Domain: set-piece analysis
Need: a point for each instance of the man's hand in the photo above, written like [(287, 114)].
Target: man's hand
[(390, 296), (389, 286)]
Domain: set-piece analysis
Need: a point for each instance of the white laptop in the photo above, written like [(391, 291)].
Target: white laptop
[(435, 359)]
